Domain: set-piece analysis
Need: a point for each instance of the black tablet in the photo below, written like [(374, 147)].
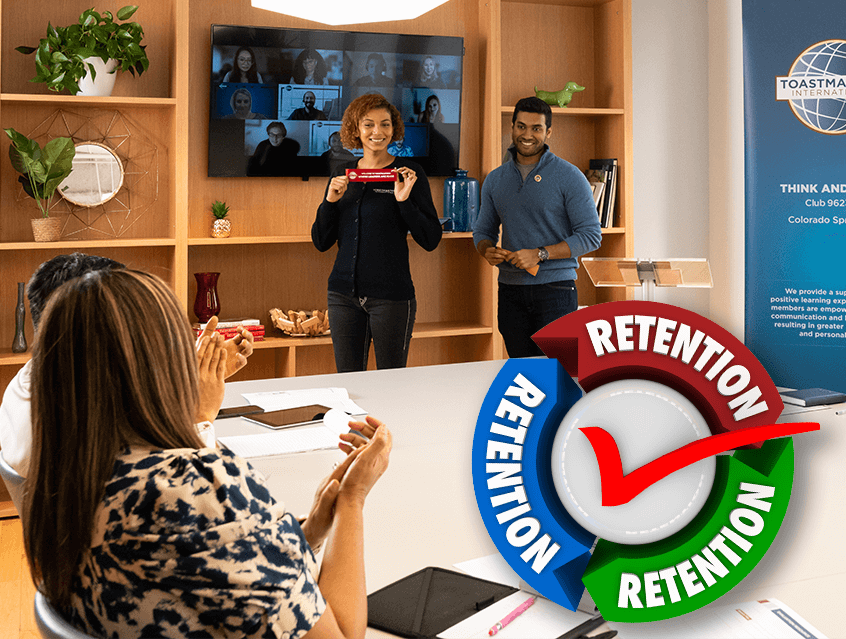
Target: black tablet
[(289, 417), (239, 411)]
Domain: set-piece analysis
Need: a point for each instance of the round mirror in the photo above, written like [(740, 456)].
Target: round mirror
[(96, 177)]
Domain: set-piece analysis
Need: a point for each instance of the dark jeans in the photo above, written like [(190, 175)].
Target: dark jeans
[(354, 321), (524, 310)]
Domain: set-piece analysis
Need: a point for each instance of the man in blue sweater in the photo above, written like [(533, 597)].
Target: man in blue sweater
[(545, 207)]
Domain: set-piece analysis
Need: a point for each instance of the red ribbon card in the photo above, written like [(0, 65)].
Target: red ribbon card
[(372, 175)]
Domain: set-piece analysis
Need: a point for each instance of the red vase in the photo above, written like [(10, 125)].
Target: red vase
[(206, 303)]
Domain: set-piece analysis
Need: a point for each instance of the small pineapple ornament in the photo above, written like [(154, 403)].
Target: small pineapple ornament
[(221, 227)]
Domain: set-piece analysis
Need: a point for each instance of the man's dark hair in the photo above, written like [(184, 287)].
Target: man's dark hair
[(533, 105), (53, 273)]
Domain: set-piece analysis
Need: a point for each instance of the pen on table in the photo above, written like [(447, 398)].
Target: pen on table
[(511, 616), (584, 627)]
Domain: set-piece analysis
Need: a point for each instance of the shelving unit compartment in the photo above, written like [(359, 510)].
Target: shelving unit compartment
[(30, 20)]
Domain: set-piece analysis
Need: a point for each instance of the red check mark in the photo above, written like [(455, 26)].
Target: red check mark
[(618, 489)]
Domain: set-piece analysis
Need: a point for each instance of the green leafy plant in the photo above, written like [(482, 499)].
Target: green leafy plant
[(59, 57), (42, 170), (219, 209)]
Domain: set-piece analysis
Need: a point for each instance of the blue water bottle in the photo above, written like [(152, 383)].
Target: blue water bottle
[(461, 200)]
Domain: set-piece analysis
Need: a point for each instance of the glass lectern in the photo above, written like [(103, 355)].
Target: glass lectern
[(647, 274)]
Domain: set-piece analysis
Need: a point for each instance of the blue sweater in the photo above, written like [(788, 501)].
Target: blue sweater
[(554, 204)]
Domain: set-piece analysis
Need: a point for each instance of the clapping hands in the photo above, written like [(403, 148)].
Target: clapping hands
[(366, 461)]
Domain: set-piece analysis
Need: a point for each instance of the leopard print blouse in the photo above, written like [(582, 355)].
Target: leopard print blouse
[(189, 543)]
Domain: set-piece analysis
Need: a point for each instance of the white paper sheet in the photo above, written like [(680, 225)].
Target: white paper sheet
[(332, 397), (763, 619), (292, 440), (493, 568)]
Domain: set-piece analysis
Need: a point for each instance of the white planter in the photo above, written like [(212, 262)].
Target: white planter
[(103, 83)]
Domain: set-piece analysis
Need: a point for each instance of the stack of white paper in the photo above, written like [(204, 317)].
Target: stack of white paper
[(291, 440)]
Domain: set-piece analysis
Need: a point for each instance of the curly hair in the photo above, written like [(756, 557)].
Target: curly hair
[(299, 66), (358, 108)]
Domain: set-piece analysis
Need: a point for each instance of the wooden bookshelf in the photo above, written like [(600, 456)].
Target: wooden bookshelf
[(545, 44), (511, 46)]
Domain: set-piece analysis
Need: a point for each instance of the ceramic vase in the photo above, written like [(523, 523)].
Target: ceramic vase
[(104, 81)]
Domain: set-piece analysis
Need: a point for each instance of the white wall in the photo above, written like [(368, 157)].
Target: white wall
[(688, 146), (725, 124), (670, 94)]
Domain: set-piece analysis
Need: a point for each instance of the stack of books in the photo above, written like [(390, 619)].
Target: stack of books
[(602, 175), (229, 328)]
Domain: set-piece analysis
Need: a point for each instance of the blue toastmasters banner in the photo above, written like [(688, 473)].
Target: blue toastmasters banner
[(794, 59)]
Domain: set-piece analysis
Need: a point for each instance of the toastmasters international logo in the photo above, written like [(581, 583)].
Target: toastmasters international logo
[(816, 87), (617, 484)]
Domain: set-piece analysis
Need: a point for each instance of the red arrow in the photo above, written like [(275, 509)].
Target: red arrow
[(618, 489)]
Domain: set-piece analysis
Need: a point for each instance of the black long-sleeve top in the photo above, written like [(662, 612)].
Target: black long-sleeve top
[(371, 230)]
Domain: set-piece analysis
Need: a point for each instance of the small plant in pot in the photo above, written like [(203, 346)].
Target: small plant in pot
[(42, 170), (221, 226), (72, 57)]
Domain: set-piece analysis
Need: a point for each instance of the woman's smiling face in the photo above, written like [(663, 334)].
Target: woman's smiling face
[(245, 61), (243, 103), (376, 130)]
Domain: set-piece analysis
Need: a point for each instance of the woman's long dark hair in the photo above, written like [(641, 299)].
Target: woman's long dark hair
[(439, 116), (114, 364), (236, 75)]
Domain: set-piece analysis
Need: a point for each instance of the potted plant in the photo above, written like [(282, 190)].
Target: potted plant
[(42, 170), (221, 226), (68, 54)]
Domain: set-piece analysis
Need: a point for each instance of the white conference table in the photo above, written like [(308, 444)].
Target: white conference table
[(423, 512)]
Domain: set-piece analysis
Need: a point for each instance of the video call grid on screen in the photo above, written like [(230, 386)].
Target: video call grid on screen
[(420, 75)]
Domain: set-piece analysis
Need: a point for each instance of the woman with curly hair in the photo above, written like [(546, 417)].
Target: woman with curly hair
[(309, 68), (244, 69), (371, 295)]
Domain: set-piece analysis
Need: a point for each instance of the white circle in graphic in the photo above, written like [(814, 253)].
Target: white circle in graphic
[(646, 420)]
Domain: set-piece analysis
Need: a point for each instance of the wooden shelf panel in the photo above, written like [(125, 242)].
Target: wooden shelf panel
[(77, 245), (65, 100), (562, 3), (614, 230), (284, 239), (7, 508), (509, 110), (8, 358), (422, 330)]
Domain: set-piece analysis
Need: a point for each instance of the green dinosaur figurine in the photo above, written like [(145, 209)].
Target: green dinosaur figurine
[(561, 98)]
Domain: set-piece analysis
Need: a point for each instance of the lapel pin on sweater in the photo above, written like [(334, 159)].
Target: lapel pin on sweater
[(538, 178)]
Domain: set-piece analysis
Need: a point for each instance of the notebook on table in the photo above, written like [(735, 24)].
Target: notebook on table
[(430, 601)]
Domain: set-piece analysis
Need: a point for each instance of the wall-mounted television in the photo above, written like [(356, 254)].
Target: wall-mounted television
[(277, 97)]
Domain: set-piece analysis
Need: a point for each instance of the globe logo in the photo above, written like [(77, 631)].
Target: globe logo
[(817, 87)]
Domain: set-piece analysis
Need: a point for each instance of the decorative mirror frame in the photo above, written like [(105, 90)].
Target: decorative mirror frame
[(139, 154), (63, 189)]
